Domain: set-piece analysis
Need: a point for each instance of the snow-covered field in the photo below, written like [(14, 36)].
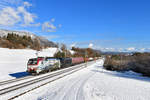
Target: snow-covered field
[(13, 61), (91, 83), (94, 83)]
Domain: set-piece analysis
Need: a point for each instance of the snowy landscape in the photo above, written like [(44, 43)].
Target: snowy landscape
[(74, 50), (94, 83), (13, 62), (90, 83)]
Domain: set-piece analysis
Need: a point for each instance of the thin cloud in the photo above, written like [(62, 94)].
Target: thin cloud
[(91, 45), (15, 13), (12, 16), (9, 17), (53, 20), (48, 27), (131, 49), (27, 4), (28, 18)]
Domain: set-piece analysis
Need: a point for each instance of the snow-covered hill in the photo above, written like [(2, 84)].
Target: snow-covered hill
[(43, 41), (13, 61), (20, 33)]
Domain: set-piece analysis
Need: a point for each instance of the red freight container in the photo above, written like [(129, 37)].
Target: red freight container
[(77, 60), (86, 59)]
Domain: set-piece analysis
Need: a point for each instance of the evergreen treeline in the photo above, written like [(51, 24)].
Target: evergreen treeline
[(14, 41)]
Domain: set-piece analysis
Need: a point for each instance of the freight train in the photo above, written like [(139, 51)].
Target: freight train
[(47, 64)]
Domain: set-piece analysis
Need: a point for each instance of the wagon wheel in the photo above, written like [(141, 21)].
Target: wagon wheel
[(34, 74), (49, 70)]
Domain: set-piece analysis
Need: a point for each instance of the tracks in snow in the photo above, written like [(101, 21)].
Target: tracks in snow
[(14, 80), (37, 80), (75, 91)]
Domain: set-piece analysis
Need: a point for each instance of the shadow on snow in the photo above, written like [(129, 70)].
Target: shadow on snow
[(126, 74), (19, 74)]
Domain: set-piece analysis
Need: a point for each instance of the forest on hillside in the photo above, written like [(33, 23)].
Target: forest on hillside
[(14, 41)]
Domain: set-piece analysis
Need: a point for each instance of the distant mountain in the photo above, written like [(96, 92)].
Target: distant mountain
[(43, 41), (115, 53)]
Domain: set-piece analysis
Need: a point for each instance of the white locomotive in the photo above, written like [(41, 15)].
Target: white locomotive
[(42, 64)]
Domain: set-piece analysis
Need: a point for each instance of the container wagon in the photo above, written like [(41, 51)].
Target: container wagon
[(86, 59), (65, 62), (77, 60)]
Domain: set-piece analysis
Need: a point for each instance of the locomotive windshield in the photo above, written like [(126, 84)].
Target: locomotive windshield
[(32, 61)]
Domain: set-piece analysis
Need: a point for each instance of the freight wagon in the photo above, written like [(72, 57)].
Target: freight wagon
[(65, 62), (77, 60)]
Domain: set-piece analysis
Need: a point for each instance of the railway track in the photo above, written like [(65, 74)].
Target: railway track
[(15, 87), (14, 80)]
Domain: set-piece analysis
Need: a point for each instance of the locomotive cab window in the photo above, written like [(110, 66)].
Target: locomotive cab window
[(32, 62)]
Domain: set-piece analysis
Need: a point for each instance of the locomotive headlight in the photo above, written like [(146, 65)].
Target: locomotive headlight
[(28, 67)]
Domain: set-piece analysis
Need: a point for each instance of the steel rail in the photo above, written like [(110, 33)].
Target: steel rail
[(30, 82)]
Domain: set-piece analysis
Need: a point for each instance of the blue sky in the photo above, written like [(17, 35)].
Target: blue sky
[(110, 25)]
